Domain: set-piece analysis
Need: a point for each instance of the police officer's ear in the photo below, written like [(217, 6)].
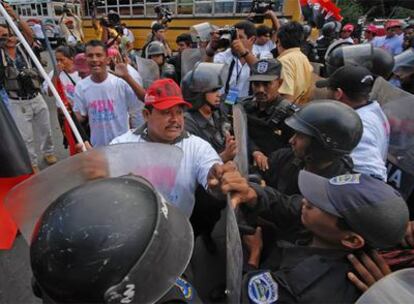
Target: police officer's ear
[(338, 94), (352, 240)]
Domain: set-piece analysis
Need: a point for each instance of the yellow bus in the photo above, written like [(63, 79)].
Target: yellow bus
[(139, 14)]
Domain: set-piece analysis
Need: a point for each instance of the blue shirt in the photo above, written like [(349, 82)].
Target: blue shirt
[(393, 45)]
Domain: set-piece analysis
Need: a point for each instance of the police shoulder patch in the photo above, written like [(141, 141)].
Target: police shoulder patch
[(262, 289), (345, 179), (186, 288)]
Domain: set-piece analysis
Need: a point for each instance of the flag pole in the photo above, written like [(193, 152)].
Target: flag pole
[(44, 74)]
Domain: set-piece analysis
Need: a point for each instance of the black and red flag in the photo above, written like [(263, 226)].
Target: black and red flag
[(15, 166)]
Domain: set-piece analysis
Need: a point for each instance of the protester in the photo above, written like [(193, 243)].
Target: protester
[(128, 34), (266, 37), (239, 58), (29, 109), (296, 69), (164, 117), (346, 33), (370, 33), (105, 99), (352, 85), (391, 42), (71, 26)]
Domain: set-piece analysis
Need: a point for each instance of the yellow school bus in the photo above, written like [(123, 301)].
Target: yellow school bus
[(139, 14)]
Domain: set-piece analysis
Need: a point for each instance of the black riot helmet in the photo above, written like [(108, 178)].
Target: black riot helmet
[(307, 30), (378, 61), (204, 78), (336, 127), (113, 240), (331, 29)]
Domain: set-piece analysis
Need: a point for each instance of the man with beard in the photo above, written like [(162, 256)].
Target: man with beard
[(266, 111)]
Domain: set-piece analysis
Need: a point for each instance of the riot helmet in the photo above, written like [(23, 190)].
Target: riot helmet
[(307, 30), (155, 48), (112, 240), (331, 29), (377, 60), (205, 77), (336, 127)]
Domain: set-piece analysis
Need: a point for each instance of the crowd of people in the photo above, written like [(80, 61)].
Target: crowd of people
[(322, 215)]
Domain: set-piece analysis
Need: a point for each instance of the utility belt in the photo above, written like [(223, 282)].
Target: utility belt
[(14, 96)]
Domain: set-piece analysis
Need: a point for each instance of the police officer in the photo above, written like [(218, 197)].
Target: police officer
[(325, 133), (266, 111), (113, 240), (201, 87), (330, 32), (156, 51), (308, 47), (346, 215)]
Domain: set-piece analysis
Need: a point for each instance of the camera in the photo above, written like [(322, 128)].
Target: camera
[(259, 7), (163, 14), (113, 20), (227, 35)]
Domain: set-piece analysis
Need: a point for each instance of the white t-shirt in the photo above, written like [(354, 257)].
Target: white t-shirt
[(128, 33), (68, 85), (240, 74), (198, 158), (370, 154), (107, 105), (264, 51), (37, 31)]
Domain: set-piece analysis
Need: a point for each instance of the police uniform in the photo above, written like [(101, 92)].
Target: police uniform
[(182, 292), (266, 129), (303, 275)]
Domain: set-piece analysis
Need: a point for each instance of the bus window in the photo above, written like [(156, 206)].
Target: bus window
[(223, 7), (243, 6), (44, 9), (39, 9), (149, 7), (137, 7), (203, 7), (185, 7)]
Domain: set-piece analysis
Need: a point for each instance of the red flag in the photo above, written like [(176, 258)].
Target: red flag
[(15, 166), (331, 9), (67, 131)]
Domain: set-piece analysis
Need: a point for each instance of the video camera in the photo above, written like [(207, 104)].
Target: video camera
[(259, 7), (227, 35), (163, 14)]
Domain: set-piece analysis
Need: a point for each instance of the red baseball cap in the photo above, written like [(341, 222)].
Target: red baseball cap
[(392, 23), (371, 28), (80, 63), (164, 94), (348, 27)]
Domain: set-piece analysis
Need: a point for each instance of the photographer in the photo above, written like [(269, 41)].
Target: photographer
[(266, 37), (239, 58), (157, 34), (21, 81), (71, 26)]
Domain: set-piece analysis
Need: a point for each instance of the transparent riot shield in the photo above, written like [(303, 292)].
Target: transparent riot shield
[(404, 63), (189, 58), (396, 288), (360, 55), (336, 44), (201, 32), (398, 106), (27, 201), (148, 70)]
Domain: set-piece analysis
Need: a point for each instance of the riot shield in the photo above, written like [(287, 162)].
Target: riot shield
[(398, 106), (148, 70), (27, 202), (336, 44), (404, 63), (189, 58), (234, 253), (396, 288), (201, 32), (360, 55)]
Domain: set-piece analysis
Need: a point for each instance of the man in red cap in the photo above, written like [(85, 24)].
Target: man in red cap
[(164, 123), (370, 33), (346, 32), (391, 42)]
